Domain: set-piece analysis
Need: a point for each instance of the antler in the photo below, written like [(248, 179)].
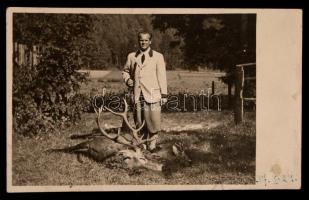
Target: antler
[(118, 138), (135, 131)]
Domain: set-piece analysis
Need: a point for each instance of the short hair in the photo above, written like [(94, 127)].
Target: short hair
[(144, 32)]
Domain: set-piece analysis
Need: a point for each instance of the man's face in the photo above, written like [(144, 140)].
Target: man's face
[(144, 41)]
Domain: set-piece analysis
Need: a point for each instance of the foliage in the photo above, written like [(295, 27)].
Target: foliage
[(214, 41), (68, 42), (114, 36), (187, 41), (46, 95)]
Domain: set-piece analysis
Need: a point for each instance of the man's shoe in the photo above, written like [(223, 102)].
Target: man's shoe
[(152, 144)]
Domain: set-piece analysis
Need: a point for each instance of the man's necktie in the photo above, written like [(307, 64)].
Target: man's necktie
[(143, 58)]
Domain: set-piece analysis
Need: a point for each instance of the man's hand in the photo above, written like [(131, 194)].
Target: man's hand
[(130, 82), (163, 101)]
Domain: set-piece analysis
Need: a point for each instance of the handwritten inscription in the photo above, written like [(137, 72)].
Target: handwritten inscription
[(275, 179)]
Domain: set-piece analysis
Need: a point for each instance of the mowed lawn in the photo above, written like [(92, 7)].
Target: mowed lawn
[(232, 161), (177, 81), (233, 156)]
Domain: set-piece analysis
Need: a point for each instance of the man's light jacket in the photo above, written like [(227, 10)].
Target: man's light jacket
[(149, 77)]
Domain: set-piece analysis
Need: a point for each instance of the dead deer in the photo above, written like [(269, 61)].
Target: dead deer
[(128, 147)]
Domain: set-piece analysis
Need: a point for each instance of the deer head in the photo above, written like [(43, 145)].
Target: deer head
[(133, 156)]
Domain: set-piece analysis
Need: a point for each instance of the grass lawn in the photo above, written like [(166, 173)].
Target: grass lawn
[(177, 81), (232, 161)]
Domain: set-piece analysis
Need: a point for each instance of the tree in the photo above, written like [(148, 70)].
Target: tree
[(46, 95), (114, 36), (171, 46), (212, 40)]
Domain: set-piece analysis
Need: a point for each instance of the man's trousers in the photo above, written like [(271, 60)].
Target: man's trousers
[(151, 113)]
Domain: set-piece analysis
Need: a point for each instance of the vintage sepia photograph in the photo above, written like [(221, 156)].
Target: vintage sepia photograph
[(132, 99)]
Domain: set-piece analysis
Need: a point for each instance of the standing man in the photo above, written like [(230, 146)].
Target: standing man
[(145, 73)]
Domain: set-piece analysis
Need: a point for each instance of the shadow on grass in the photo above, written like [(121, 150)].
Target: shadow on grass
[(217, 151), (226, 149)]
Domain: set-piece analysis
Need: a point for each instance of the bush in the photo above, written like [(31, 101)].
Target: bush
[(46, 93), (46, 96)]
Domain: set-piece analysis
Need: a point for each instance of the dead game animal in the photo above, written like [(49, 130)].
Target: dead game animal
[(127, 147)]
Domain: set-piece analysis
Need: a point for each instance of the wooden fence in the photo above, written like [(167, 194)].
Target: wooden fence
[(239, 86), (24, 55)]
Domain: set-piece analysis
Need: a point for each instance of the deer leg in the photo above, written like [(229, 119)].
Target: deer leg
[(85, 136), (72, 149)]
